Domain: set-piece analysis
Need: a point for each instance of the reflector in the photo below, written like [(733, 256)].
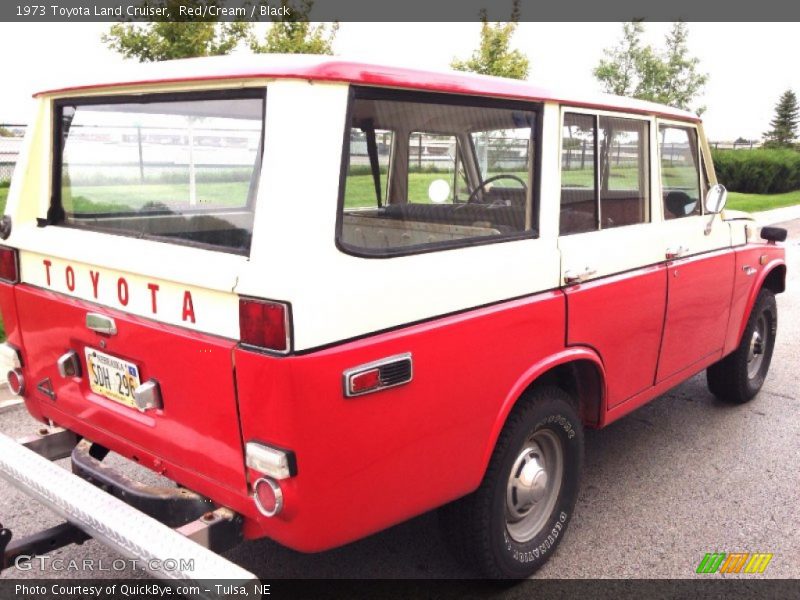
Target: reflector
[(8, 265), (268, 497)]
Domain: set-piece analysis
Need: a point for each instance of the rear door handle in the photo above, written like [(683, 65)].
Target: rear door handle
[(673, 253), (101, 324), (571, 276)]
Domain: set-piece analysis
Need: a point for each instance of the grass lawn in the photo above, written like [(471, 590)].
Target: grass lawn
[(102, 198), (759, 202)]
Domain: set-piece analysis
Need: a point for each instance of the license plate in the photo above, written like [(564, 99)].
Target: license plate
[(112, 377)]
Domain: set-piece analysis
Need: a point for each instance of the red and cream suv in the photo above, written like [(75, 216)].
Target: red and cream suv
[(328, 296)]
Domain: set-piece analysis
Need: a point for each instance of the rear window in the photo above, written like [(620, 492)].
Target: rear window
[(180, 168), (426, 172)]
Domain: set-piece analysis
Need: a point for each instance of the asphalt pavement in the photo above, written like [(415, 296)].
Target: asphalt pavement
[(680, 477)]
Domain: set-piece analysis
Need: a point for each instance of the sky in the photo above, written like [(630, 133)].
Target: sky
[(749, 64)]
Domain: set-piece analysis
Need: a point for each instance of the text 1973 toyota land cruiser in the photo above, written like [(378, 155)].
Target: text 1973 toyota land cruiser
[(325, 297)]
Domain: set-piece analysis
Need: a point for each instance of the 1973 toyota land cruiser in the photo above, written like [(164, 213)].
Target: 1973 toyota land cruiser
[(325, 297)]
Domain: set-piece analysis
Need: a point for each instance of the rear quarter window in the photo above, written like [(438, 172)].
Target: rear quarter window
[(178, 168), (425, 172)]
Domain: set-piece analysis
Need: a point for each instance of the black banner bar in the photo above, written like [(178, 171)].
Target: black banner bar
[(709, 586), (32, 11)]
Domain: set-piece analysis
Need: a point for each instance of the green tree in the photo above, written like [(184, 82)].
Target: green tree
[(638, 70), (5, 132), (681, 82), (784, 124), (619, 71), (494, 55), (164, 40), (294, 34)]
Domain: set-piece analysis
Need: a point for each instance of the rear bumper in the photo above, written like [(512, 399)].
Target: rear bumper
[(160, 550)]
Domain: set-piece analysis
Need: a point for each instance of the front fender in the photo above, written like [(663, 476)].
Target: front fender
[(775, 262)]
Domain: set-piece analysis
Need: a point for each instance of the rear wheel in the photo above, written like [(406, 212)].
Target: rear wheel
[(738, 377), (511, 525)]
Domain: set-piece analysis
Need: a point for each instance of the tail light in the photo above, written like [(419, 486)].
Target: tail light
[(9, 265), (265, 324)]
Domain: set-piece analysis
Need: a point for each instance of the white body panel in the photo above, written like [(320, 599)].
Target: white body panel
[(334, 295), (337, 296)]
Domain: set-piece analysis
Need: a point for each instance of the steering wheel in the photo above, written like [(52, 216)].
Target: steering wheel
[(473, 194)]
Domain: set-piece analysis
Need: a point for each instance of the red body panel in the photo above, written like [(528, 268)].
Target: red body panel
[(194, 371), (622, 317), (8, 309), (368, 462), (746, 287), (698, 306)]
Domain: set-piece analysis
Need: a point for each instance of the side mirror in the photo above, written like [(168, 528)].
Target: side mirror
[(716, 199)]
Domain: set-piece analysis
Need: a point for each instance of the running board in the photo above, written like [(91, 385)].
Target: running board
[(115, 524)]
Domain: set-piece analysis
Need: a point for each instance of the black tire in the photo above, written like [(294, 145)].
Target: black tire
[(477, 527), (736, 378)]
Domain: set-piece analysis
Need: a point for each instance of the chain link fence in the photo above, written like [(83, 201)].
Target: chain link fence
[(11, 135)]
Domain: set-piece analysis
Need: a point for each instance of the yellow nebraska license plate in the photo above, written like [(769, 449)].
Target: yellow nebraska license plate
[(112, 377)]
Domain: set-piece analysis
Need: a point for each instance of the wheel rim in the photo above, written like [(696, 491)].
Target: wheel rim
[(533, 485), (757, 347)]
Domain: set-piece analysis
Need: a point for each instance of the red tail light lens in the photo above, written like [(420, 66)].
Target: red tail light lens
[(264, 324), (9, 270)]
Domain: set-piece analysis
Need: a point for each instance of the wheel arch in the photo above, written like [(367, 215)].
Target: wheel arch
[(773, 278), (577, 370)]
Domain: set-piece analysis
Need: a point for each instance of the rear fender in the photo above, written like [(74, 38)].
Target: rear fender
[(536, 371)]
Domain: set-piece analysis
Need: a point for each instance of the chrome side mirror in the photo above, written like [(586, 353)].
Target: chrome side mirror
[(716, 199)]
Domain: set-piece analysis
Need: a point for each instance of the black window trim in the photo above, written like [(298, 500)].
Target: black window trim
[(402, 95), (55, 212)]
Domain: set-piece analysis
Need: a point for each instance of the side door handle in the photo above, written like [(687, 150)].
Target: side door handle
[(673, 253), (571, 276)]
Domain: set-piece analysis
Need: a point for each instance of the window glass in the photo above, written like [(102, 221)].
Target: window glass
[(578, 177), (604, 172), (437, 191), (624, 170), (680, 174), (360, 188), (180, 170), (503, 155), (433, 157)]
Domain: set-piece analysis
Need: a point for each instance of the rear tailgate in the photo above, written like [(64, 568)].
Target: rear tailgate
[(198, 427)]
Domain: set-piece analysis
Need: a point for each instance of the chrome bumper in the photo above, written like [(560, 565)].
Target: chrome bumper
[(110, 521)]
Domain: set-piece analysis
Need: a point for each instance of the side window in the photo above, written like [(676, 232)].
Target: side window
[(680, 172), (624, 172), (503, 156), (435, 158), (459, 172), (578, 176), (604, 172), (361, 189)]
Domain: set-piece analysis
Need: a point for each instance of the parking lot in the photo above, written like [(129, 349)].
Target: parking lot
[(680, 477)]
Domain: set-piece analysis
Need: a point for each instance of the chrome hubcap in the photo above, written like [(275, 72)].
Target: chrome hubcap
[(533, 485), (755, 354)]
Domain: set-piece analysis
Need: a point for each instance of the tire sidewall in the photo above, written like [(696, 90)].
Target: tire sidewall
[(765, 305), (515, 559)]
